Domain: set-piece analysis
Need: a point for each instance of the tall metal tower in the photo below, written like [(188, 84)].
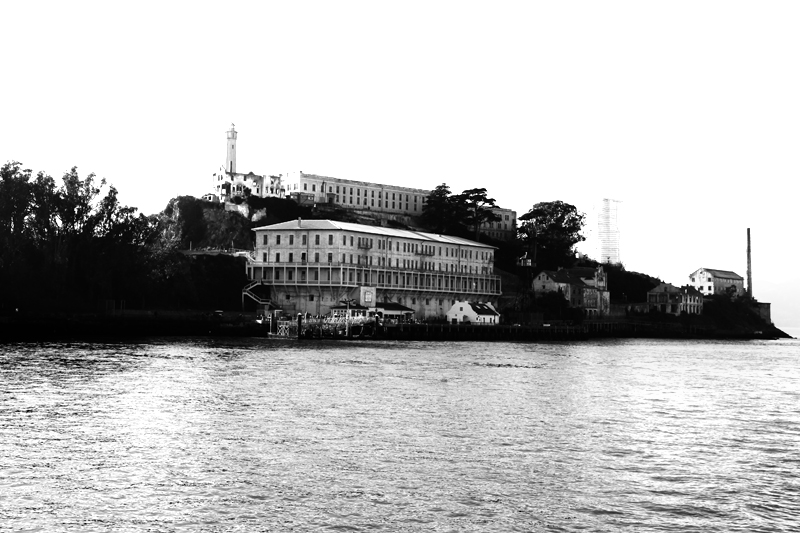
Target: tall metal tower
[(608, 232)]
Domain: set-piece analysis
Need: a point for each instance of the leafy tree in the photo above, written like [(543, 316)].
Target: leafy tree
[(550, 230), (68, 246), (444, 213), (436, 210), (478, 208)]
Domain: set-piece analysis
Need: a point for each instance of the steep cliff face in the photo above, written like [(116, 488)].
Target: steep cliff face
[(189, 222)]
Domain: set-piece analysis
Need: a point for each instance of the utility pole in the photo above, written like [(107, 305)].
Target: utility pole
[(749, 269)]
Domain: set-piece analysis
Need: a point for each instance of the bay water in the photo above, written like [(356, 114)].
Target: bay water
[(251, 435)]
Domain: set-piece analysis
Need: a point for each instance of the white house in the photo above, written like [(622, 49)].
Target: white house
[(464, 312), (712, 281)]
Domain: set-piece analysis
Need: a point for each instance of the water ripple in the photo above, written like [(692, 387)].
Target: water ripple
[(271, 435)]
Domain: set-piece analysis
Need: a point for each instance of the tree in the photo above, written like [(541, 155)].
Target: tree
[(478, 208), (442, 212), (68, 246), (550, 230)]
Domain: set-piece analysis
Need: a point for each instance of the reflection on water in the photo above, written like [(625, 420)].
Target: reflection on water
[(268, 435)]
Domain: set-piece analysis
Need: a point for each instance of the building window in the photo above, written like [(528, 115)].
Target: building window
[(330, 239), (264, 257), (277, 257), (305, 186), (303, 257), (291, 257), (310, 297), (290, 275), (266, 241), (304, 239), (316, 257), (277, 239), (288, 297), (316, 240), (291, 240), (330, 258)]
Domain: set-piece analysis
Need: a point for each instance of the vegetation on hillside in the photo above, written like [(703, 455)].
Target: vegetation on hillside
[(71, 246)]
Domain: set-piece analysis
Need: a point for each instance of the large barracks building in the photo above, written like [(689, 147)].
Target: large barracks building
[(309, 266)]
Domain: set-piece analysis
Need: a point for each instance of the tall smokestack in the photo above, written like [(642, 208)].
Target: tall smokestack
[(749, 268)]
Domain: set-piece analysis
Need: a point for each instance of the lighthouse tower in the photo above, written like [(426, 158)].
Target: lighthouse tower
[(230, 160)]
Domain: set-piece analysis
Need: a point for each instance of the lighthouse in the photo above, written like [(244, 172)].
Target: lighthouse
[(230, 160)]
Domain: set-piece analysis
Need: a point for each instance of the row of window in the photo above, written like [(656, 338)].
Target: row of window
[(441, 301), (398, 205), (365, 260), (383, 244), (385, 278), (400, 281), (344, 191)]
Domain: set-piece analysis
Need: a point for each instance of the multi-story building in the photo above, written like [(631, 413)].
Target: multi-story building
[(586, 288), (309, 266), (384, 201), (504, 229), (711, 281), (361, 195), (668, 298)]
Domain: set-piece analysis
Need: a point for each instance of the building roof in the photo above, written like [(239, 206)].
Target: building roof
[(393, 306), (670, 288), (727, 274), (582, 272), (664, 287), (322, 225), (483, 309), (352, 307), (563, 276)]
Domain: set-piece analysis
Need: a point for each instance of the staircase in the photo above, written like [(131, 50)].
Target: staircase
[(248, 291)]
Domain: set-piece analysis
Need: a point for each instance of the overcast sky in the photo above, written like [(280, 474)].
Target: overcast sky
[(686, 112)]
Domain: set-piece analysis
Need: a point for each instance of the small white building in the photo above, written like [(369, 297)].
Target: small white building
[(711, 281), (463, 312)]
